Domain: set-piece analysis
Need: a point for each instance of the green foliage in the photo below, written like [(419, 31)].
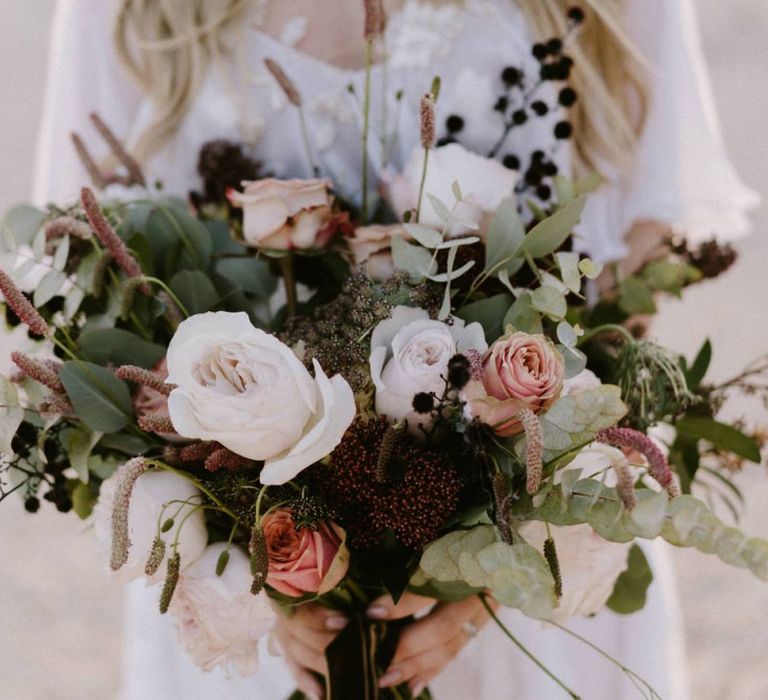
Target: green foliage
[(700, 365), (522, 316), (505, 235), (636, 297), (721, 435), (11, 414), (19, 226), (550, 234), (249, 274), (101, 400), (488, 313), (194, 290), (119, 347), (631, 587)]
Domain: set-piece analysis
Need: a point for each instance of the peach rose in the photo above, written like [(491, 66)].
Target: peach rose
[(285, 214), (372, 245), (520, 370), (302, 560)]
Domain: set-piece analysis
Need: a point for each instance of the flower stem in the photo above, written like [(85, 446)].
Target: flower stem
[(289, 280), (607, 327), (522, 648), (421, 185), (366, 125)]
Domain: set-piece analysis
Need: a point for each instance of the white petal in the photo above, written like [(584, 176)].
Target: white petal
[(386, 330), (334, 415)]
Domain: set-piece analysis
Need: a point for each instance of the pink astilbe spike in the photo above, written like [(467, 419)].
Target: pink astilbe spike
[(22, 307), (198, 451), (39, 370), (67, 226), (534, 449), (427, 120), (135, 175), (223, 458), (56, 406), (625, 481), (127, 476), (94, 172), (374, 19), (139, 375), (658, 467), (156, 423), (109, 238)]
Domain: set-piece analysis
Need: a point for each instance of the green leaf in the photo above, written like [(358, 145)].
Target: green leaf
[(700, 366), (78, 442), (550, 302), (414, 260), (505, 235), (19, 226), (425, 235), (195, 290), (565, 189), (250, 274), (568, 262), (523, 316), (590, 269), (631, 588), (488, 313), (119, 347), (548, 235), (101, 400), (123, 442), (83, 500), (721, 435), (636, 297), (11, 415), (48, 287)]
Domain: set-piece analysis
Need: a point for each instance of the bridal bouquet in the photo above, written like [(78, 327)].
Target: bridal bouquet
[(275, 397)]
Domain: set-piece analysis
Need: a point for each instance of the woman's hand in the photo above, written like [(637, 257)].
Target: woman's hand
[(428, 644), (303, 638)]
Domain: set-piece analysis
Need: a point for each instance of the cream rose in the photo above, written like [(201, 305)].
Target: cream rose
[(372, 245), (409, 355), (219, 621), (153, 490), (243, 388), (285, 214), (520, 370), (485, 184)]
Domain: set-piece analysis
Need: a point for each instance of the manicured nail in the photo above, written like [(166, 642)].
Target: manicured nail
[(377, 612), (336, 622), (418, 689), (390, 678)]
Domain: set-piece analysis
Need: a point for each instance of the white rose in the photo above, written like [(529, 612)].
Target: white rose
[(409, 355), (484, 183), (219, 621), (589, 566), (152, 491), (243, 388)]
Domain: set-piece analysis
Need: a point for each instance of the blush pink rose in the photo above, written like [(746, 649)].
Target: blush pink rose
[(302, 560), (285, 214), (372, 245), (519, 371)]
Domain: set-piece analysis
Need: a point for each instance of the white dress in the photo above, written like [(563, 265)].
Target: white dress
[(682, 176)]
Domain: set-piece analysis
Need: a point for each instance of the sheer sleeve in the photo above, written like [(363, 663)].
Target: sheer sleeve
[(84, 76), (682, 175)]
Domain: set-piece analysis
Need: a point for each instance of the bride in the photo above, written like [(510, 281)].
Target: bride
[(168, 76)]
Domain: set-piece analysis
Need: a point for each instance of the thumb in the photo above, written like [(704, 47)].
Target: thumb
[(384, 608)]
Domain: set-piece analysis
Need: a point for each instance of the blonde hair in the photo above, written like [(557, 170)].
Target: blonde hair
[(167, 45)]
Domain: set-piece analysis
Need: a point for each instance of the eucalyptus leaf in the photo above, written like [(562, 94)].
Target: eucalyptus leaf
[(11, 414), (636, 297), (548, 235), (568, 262), (78, 442), (488, 313), (631, 588), (250, 274), (61, 254), (550, 302), (20, 226), (48, 287), (425, 235), (100, 400), (504, 237), (414, 260), (522, 316)]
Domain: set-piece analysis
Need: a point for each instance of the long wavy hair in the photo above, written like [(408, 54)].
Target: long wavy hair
[(168, 45)]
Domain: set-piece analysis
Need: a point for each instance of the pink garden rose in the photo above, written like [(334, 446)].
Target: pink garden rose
[(520, 370), (302, 560), (285, 214), (372, 245)]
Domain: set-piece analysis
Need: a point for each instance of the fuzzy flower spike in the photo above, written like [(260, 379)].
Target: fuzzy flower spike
[(121, 542), (658, 467), (21, 306)]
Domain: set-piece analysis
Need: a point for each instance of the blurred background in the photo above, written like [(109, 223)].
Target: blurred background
[(60, 627)]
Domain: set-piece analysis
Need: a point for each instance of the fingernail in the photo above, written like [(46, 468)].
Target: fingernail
[(390, 678), (336, 622), (377, 612), (418, 689)]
